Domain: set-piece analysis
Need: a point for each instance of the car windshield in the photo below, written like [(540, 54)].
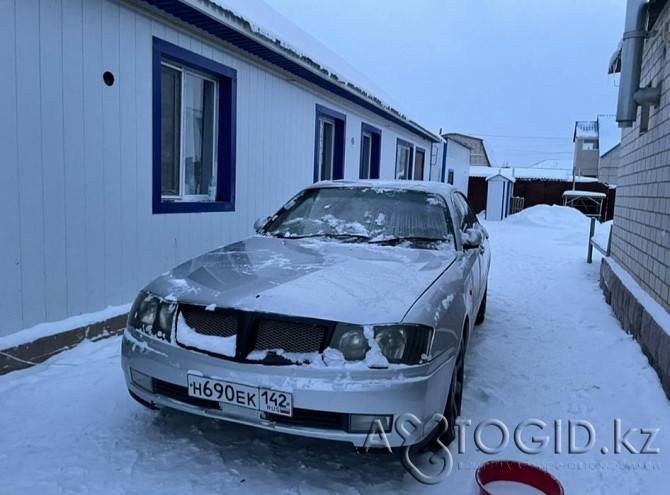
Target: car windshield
[(365, 215)]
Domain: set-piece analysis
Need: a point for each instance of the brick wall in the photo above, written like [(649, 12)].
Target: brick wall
[(641, 232)]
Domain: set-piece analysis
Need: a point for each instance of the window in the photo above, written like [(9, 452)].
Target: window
[(465, 217), (589, 145), (371, 138), (450, 177), (194, 132), (403, 160), (419, 163), (329, 146)]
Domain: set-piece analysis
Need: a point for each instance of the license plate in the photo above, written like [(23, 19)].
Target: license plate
[(261, 399)]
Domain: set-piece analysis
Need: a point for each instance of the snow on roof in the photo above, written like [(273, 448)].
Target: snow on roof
[(589, 194), (586, 129), (260, 19), (565, 164), (505, 173), (528, 173), (609, 134)]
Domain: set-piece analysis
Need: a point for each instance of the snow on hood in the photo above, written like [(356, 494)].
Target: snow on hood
[(354, 283)]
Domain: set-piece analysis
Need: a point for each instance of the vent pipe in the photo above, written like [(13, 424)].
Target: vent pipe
[(630, 95)]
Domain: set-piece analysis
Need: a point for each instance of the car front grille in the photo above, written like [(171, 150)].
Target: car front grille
[(258, 332), (290, 336), (210, 323)]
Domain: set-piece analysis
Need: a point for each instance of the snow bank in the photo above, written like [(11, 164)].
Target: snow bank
[(52, 328), (554, 217)]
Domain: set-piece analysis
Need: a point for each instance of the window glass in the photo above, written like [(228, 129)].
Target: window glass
[(418, 166), (366, 155), (170, 130), (402, 162), (366, 214), (326, 148), (188, 110)]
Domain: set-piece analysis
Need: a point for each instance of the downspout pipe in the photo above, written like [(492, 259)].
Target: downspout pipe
[(631, 61)]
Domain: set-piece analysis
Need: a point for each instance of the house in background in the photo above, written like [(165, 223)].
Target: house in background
[(609, 138), (480, 153), (585, 137), (636, 277), (454, 168), (137, 134), (537, 186), (596, 149)]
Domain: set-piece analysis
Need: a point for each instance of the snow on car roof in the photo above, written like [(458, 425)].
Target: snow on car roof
[(399, 185)]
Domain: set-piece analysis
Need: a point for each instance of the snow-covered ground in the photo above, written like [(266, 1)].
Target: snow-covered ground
[(550, 349)]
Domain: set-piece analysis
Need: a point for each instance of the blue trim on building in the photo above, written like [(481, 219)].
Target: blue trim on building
[(226, 140), (250, 45), (411, 155), (375, 151), (444, 160), (340, 120)]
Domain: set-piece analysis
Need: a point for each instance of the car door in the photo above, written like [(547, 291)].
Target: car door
[(484, 253), (473, 277)]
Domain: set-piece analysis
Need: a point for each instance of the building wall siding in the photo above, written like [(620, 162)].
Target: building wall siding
[(608, 167), (585, 161), (641, 231), (477, 152), (78, 233)]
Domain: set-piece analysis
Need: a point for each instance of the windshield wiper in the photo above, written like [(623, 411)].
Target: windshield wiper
[(392, 241), (324, 234)]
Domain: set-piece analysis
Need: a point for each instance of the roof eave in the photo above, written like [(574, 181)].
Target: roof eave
[(194, 12)]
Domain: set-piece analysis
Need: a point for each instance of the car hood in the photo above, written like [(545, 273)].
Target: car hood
[(323, 279)]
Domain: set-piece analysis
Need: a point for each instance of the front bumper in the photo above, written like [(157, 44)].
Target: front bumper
[(321, 394)]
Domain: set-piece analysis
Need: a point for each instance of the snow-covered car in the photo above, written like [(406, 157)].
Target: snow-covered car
[(353, 303)]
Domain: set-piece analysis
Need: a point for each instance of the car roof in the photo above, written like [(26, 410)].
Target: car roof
[(401, 185)]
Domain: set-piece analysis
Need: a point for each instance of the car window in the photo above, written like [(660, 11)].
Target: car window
[(472, 219), (369, 214), (462, 215)]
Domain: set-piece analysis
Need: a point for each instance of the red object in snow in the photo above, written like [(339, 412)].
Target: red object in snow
[(518, 472)]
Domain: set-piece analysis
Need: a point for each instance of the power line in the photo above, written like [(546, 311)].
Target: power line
[(523, 137)]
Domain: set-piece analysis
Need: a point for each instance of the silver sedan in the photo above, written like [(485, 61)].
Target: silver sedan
[(349, 309)]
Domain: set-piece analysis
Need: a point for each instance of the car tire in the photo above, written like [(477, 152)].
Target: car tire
[(452, 410), (481, 313)]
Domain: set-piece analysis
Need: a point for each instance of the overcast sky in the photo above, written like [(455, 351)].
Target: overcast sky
[(491, 68)]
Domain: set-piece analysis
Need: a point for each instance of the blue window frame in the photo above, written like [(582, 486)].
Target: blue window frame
[(194, 126), (371, 145), (329, 144), (403, 159)]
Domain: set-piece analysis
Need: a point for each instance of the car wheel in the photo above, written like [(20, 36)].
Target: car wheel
[(481, 314), (453, 408)]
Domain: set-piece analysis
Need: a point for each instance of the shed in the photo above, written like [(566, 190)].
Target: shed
[(498, 195)]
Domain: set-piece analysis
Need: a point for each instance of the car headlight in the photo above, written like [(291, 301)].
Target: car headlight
[(406, 344), (152, 316)]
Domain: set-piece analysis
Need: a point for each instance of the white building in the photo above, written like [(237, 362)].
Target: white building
[(136, 134)]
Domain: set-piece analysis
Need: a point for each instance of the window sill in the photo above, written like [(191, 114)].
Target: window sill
[(176, 206)]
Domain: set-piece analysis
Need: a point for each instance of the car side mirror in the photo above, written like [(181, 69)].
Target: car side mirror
[(260, 223), (472, 238)]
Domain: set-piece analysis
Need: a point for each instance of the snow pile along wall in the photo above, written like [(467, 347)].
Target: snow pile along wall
[(640, 316)]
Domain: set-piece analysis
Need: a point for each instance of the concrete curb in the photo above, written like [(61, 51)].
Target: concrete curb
[(635, 319), (26, 355)]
